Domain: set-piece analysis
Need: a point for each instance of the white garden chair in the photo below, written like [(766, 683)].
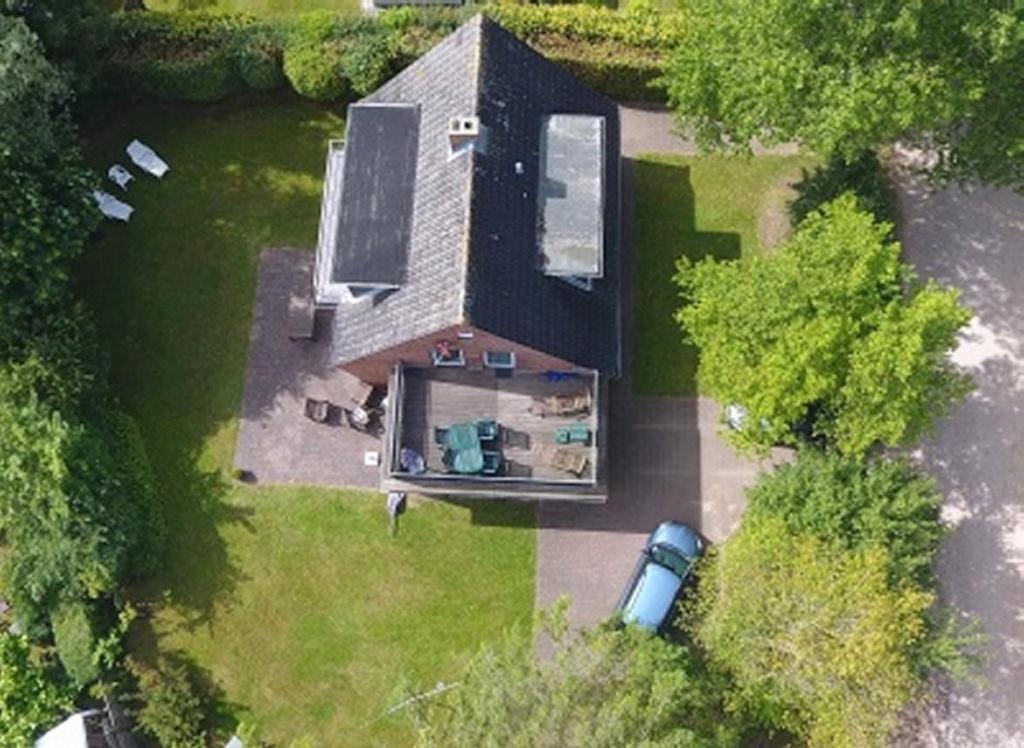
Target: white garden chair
[(146, 159), (120, 176)]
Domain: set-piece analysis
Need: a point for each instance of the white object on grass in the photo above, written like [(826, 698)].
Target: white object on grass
[(146, 159), (120, 176), (111, 207)]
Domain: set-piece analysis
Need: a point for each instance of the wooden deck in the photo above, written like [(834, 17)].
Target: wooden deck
[(437, 398)]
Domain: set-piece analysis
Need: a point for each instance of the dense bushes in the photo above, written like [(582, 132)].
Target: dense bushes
[(74, 635), (863, 175), (326, 57), (33, 696), (172, 711)]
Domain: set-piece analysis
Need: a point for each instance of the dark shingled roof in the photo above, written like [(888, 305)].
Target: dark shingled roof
[(474, 251)]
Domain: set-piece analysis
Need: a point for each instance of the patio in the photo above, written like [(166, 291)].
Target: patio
[(277, 443)]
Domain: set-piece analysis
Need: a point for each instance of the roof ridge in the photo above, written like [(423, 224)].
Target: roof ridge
[(480, 22)]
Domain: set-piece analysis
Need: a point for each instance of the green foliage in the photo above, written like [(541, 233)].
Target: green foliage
[(842, 78), (54, 21), (316, 71), (327, 56), (172, 710), (185, 56), (817, 641), (843, 338), (259, 63), (856, 505), (76, 506), (32, 696), (46, 193), (74, 634), (604, 687), (863, 175)]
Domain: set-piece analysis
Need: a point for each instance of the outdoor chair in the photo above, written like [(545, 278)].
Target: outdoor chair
[(111, 207), (493, 463), (577, 433), (487, 429), (318, 410), (440, 436), (569, 460), (146, 159), (120, 176), (574, 404)]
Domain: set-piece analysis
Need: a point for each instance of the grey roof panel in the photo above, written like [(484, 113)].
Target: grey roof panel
[(378, 185), (571, 194)]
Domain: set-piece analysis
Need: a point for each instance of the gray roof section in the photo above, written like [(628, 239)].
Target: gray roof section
[(571, 194), (375, 217), (474, 250)]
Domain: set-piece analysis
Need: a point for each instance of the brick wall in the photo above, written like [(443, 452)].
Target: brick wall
[(376, 368)]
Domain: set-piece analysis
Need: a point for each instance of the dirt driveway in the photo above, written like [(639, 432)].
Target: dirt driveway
[(975, 241)]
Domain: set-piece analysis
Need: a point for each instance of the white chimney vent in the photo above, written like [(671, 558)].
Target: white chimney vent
[(465, 133)]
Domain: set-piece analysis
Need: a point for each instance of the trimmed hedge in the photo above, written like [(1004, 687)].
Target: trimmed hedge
[(325, 56), (74, 635)]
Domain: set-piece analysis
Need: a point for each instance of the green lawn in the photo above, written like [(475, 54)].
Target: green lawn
[(293, 603), (693, 206)]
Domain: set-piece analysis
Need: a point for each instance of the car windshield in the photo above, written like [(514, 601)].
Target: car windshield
[(671, 560)]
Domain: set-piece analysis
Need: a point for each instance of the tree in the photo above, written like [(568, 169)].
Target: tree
[(32, 696), (45, 190), (845, 77), (172, 709), (603, 687), (831, 331), (76, 503), (857, 505), (817, 641)]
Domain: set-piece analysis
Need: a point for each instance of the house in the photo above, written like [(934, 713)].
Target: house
[(468, 248)]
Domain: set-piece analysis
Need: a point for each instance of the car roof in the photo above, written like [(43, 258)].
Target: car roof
[(652, 599), (677, 536)]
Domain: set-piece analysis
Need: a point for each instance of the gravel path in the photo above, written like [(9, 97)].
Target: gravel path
[(974, 240)]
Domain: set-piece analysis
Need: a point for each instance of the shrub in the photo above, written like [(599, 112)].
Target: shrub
[(74, 633), (862, 175), (316, 71), (185, 56), (368, 60), (33, 696), (260, 63), (172, 711), (327, 56)]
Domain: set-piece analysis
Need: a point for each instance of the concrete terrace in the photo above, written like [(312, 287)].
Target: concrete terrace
[(276, 442)]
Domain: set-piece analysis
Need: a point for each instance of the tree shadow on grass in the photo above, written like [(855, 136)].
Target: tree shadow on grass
[(664, 229)]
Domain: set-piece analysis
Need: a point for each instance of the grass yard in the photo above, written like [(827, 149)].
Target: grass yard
[(715, 206), (293, 603), (256, 7)]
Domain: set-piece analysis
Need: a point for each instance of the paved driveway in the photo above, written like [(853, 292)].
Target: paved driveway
[(975, 241), (666, 458)]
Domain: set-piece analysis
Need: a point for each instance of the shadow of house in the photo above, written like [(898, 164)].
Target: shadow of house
[(664, 230)]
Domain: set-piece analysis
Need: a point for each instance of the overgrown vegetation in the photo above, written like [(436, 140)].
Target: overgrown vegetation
[(601, 687), (78, 509), (843, 78), (33, 695), (845, 345), (328, 56)]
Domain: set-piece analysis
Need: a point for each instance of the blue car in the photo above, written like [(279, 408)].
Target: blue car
[(664, 568)]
